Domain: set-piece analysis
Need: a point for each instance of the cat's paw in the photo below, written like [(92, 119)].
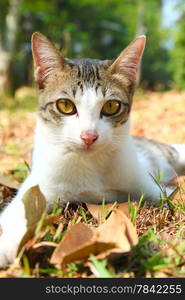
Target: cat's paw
[(8, 250), (9, 244), (12, 230)]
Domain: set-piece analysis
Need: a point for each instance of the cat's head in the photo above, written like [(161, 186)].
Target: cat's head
[(85, 103)]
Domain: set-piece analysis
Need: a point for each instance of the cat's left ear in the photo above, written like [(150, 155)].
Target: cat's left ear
[(46, 56), (128, 62)]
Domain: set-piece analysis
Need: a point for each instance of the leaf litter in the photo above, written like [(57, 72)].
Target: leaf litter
[(59, 239), (115, 235)]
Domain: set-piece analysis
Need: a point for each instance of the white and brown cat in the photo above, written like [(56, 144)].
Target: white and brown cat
[(83, 150)]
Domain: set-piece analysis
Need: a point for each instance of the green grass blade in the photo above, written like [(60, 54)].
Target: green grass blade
[(40, 223), (102, 271)]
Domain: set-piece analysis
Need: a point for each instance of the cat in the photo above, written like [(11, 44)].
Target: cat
[(83, 150)]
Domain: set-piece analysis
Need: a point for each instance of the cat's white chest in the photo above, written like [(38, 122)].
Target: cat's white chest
[(73, 177), (109, 173)]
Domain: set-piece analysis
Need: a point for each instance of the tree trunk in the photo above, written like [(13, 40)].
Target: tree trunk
[(7, 45)]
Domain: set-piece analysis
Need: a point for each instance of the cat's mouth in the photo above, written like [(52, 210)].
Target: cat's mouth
[(82, 148), (88, 148)]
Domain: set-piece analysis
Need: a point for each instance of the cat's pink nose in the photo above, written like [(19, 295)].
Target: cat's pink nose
[(89, 137)]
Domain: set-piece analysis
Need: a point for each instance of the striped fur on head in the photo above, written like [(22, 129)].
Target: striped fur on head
[(88, 83), (113, 79)]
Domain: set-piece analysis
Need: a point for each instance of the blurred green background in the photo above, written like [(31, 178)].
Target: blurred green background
[(97, 29)]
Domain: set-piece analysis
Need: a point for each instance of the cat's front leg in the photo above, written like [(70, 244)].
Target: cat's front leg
[(13, 226)]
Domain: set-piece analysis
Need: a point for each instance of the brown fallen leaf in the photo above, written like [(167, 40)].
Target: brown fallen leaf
[(117, 233), (8, 189), (99, 213), (9, 183), (6, 195), (35, 205), (74, 245), (165, 236), (45, 243), (120, 230), (31, 242), (49, 220)]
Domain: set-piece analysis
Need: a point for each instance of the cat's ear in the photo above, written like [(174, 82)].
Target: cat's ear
[(46, 58), (128, 62)]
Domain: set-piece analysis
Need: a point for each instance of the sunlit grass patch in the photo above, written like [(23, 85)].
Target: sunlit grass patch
[(25, 98)]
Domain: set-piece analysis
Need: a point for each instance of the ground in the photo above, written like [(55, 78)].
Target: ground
[(156, 115)]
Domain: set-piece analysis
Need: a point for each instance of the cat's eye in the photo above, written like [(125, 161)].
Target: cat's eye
[(111, 108), (66, 106)]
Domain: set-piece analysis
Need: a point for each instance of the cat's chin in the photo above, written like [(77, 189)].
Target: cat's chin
[(94, 148), (87, 149)]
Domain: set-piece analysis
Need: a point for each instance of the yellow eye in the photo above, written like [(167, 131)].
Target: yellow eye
[(111, 107), (66, 106)]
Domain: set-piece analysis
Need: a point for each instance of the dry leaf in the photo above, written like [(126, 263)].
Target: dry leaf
[(74, 245), (35, 205), (8, 189), (49, 220), (9, 183), (45, 244), (99, 213), (34, 239), (6, 195), (117, 234), (119, 230), (165, 236)]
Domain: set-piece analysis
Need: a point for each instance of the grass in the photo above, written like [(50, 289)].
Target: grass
[(100, 268), (25, 99), (134, 209)]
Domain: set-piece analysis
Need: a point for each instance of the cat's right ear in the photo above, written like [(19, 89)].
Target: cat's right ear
[(46, 58), (126, 66)]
